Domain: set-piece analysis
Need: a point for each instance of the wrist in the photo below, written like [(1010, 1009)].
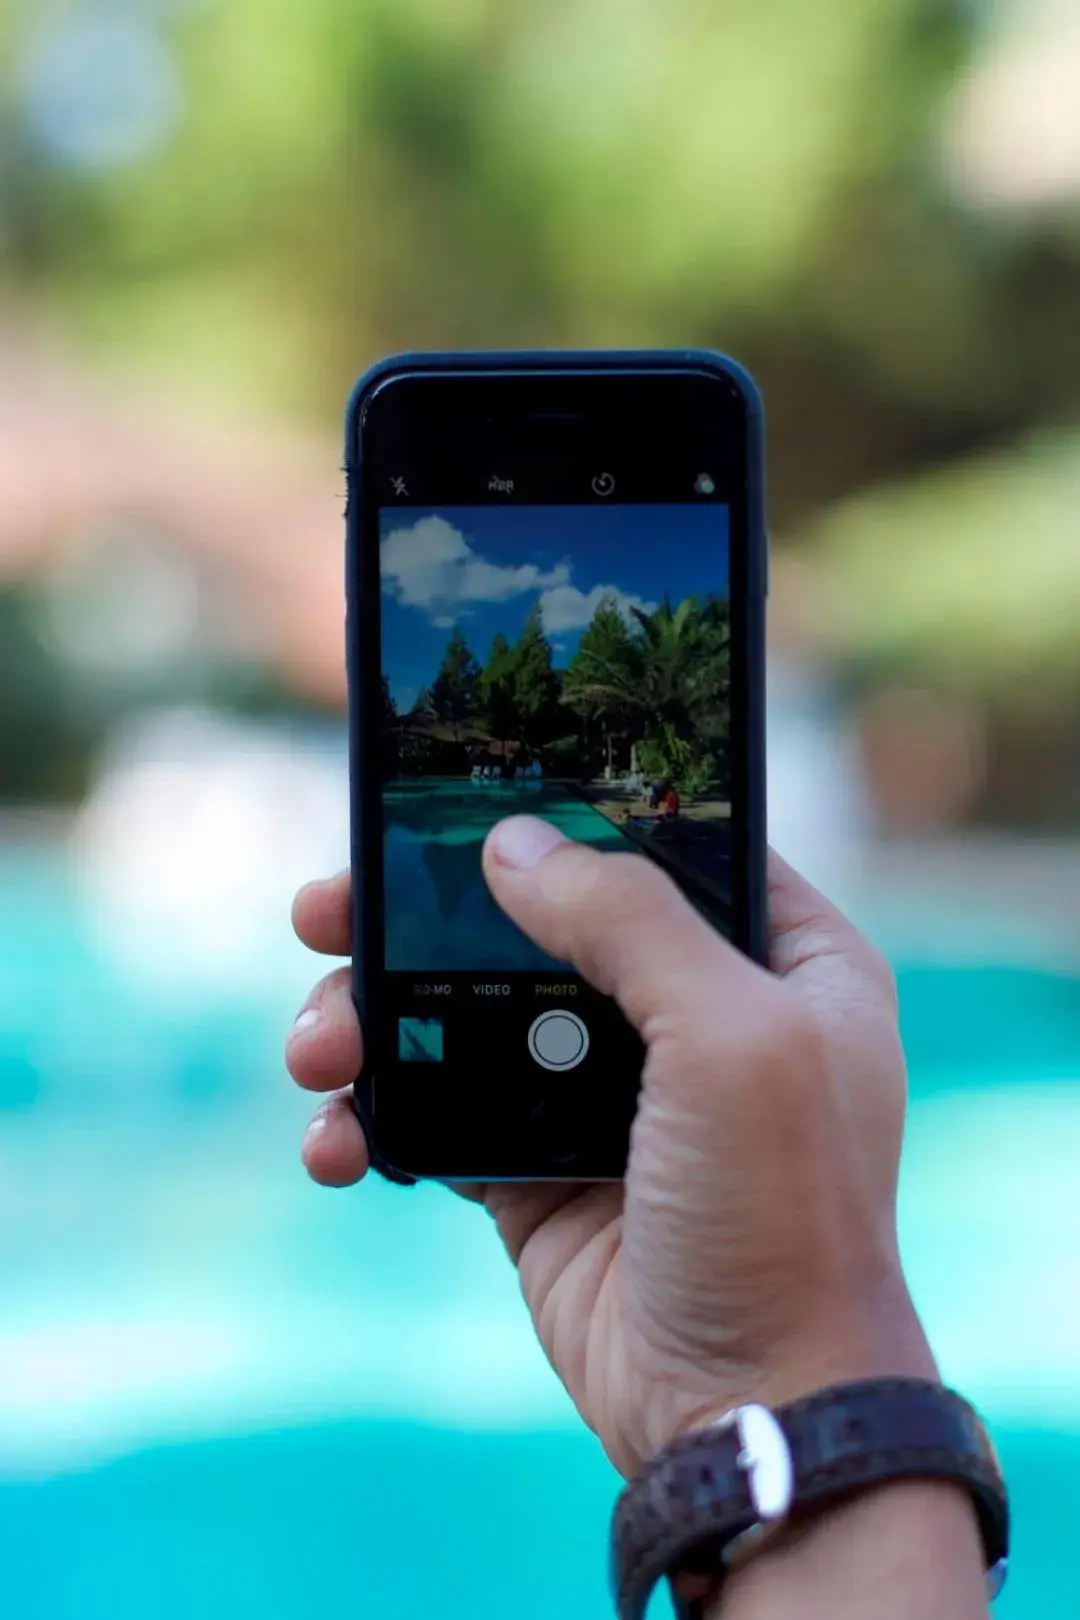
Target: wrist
[(881, 1338), (906, 1548)]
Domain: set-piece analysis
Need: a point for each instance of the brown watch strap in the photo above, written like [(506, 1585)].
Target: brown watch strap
[(696, 1499)]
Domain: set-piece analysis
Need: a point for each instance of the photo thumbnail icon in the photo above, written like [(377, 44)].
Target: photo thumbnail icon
[(420, 1040)]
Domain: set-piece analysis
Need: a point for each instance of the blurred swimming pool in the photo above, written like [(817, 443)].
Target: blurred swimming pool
[(224, 1393)]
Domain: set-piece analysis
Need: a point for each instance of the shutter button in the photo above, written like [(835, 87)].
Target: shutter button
[(558, 1040)]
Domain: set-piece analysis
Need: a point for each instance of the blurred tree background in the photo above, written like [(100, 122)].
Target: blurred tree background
[(874, 203)]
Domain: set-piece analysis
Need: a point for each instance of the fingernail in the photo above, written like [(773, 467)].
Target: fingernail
[(523, 841), (312, 1134), (305, 1022)]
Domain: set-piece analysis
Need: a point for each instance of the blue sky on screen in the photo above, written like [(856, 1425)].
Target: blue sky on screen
[(483, 567)]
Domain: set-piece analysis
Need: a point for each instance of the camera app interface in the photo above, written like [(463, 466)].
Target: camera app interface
[(572, 662)]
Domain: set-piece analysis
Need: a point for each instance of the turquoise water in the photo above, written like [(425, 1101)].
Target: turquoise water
[(439, 910), (226, 1393)]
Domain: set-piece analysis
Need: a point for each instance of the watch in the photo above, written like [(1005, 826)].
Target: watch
[(709, 1499)]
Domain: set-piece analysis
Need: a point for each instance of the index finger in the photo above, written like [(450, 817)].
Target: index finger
[(322, 915), (809, 937)]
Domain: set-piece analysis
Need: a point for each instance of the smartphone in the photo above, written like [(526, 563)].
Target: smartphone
[(556, 577)]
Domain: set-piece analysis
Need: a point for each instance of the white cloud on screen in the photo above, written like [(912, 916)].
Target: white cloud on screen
[(431, 566), (564, 607)]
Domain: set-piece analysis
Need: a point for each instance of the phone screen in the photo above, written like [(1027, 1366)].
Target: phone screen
[(556, 637)]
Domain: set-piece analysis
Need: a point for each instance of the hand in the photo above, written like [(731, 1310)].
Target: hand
[(751, 1252)]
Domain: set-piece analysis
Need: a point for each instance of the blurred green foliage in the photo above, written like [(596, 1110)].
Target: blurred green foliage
[(351, 177), (348, 177), (46, 735)]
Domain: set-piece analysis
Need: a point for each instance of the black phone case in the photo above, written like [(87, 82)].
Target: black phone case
[(612, 360)]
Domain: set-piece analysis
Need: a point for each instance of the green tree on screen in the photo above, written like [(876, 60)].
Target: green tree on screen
[(710, 693), (663, 682), (684, 686), (498, 692), (536, 684), (455, 691), (600, 674)]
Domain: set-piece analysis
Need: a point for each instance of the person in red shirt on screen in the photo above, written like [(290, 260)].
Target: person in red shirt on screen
[(665, 799)]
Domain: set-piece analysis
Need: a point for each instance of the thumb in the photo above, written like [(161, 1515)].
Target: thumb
[(617, 919)]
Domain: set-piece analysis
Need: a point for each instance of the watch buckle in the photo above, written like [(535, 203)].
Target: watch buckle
[(765, 1458), (995, 1578)]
